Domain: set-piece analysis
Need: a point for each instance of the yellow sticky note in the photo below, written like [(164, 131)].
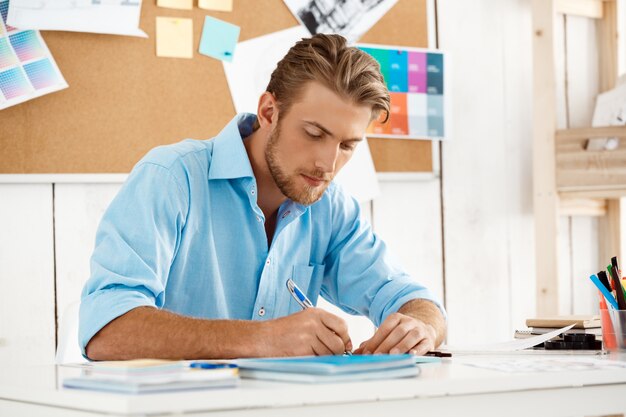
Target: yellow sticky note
[(176, 4), (174, 37), (218, 5)]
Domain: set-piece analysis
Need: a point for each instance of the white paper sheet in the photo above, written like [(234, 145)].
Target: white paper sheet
[(358, 178), (349, 18), (114, 17), (511, 346), (249, 72), (570, 364), (610, 110)]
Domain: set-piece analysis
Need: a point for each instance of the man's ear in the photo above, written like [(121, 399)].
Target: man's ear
[(267, 111)]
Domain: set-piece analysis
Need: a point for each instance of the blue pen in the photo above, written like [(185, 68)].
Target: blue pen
[(298, 295), (604, 291), (302, 299), (208, 365)]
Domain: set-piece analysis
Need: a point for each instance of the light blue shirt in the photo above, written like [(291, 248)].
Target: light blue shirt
[(185, 233)]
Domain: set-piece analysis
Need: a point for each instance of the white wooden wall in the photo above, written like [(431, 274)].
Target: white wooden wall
[(486, 240)]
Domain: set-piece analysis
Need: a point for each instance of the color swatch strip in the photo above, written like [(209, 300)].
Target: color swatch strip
[(415, 79), (27, 69)]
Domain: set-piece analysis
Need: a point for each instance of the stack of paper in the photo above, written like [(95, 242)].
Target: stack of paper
[(314, 369), (148, 376)]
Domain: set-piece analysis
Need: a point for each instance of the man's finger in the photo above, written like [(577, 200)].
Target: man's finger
[(320, 349), (381, 334), (338, 326), (410, 340), (422, 347), (331, 341), (395, 337)]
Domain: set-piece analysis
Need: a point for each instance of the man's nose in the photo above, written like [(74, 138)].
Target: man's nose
[(327, 158)]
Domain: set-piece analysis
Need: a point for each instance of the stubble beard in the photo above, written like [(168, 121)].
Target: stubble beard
[(287, 184)]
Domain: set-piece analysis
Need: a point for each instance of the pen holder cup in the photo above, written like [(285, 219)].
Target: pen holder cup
[(613, 329)]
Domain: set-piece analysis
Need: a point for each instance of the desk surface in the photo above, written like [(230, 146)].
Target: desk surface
[(445, 388)]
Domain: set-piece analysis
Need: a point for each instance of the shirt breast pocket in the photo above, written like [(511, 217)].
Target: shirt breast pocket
[(309, 279)]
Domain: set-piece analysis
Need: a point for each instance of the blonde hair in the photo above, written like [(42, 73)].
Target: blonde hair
[(327, 59)]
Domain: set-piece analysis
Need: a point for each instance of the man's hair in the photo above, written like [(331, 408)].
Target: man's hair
[(327, 59)]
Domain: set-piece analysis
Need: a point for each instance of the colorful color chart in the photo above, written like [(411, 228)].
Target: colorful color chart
[(27, 69), (415, 79)]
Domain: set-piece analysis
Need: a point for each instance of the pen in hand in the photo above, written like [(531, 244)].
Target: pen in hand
[(303, 300)]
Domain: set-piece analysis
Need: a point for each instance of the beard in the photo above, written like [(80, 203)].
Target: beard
[(288, 183)]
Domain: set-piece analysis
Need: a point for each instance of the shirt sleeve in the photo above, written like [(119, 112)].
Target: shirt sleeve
[(360, 275), (136, 242)]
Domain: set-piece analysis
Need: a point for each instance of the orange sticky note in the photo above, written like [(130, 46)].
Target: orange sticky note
[(217, 5), (174, 37)]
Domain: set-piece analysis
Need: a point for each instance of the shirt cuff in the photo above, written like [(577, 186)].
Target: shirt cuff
[(381, 307), (101, 307)]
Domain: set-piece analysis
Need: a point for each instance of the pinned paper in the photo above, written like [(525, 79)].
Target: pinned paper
[(419, 101), (250, 71), (351, 19), (176, 4), (174, 37), (219, 39), (27, 68), (217, 5), (115, 17)]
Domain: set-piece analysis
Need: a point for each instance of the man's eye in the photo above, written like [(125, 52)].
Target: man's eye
[(348, 147), (313, 135)]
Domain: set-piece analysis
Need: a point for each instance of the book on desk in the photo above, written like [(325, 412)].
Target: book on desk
[(319, 369), (151, 376)]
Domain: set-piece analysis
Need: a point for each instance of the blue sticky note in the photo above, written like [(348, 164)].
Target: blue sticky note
[(219, 39)]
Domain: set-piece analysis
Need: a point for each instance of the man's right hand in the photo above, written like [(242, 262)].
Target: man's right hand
[(309, 332)]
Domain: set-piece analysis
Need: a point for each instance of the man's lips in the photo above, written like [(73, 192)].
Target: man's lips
[(314, 181)]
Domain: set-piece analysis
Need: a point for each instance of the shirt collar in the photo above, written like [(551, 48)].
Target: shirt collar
[(230, 159)]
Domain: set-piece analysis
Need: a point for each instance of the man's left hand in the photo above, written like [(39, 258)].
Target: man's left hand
[(400, 333)]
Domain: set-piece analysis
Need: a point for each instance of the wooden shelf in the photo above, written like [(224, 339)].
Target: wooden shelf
[(583, 173)]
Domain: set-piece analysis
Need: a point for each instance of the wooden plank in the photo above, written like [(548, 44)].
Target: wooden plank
[(607, 46), (582, 207), (610, 233), (564, 262), (590, 192), (546, 201), (578, 134), (576, 168), (581, 70), (585, 255), (487, 189), (27, 311), (78, 210), (586, 8)]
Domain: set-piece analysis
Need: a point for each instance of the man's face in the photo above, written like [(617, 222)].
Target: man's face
[(313, 141)]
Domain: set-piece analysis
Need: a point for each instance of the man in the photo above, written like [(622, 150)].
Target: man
[(192, 256)]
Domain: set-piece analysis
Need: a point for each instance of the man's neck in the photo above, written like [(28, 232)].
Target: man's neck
[(269, 196)]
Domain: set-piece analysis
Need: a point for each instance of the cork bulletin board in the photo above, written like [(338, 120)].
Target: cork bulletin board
[(123, 100)]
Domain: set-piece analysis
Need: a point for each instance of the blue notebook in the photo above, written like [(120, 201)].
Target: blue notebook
[(329, 365), (316, 369)]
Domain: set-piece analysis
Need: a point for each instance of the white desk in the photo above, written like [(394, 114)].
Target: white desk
[(451, 388)]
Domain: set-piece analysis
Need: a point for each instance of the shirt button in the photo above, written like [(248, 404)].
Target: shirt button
[(267, 262), (259, 219), (262, 311), (252, 191)]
